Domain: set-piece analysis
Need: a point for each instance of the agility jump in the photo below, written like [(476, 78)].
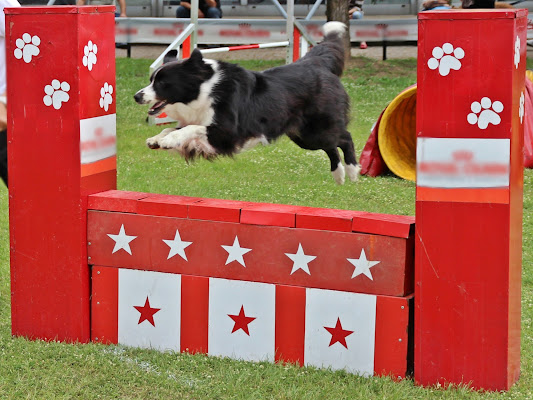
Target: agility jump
[(89, 262)]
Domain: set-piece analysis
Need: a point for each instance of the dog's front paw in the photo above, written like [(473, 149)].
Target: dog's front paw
[(154, 141), (169, 142)]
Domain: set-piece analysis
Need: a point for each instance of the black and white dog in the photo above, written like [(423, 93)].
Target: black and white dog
[(223, 109)]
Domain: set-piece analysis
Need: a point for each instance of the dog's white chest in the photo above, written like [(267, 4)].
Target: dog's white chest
[(197, 112)]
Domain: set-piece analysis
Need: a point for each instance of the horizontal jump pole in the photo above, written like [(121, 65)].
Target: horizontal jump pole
[(246, 47)]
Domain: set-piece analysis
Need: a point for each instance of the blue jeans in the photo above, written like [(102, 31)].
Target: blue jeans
[(358, 15), (212, 12)]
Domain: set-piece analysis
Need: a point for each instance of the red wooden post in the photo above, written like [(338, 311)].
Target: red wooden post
[(471, 68), (296, 37), (186, 48), (62, 147)]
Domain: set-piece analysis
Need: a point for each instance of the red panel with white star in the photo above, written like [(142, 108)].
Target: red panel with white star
[(345, 261)]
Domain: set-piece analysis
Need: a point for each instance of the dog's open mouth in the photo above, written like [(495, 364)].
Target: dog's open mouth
[(157, 107)]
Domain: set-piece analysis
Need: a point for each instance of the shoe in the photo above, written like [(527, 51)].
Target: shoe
[(363, 45)]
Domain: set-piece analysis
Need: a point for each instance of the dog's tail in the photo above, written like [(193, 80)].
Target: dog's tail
[(331, 49)]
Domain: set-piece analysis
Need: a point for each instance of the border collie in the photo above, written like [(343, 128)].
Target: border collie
[(223, 109)]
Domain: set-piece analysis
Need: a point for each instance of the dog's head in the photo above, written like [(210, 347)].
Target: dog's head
[(175, 82)]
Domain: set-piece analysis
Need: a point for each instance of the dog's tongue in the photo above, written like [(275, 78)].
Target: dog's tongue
[(157, 107)]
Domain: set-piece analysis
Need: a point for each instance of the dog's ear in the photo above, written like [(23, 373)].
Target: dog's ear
[(171, 55), (196, 56)]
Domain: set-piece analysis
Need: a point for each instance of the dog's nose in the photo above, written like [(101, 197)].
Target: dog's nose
[(138, 97)]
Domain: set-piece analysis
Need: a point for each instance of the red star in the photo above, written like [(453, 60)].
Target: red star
[(338, 334), (147, 312), (241, 321)]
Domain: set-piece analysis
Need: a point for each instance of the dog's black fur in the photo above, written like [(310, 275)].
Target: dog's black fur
[(223, 108)]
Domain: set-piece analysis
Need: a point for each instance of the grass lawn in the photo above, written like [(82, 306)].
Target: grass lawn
[(281, 173)]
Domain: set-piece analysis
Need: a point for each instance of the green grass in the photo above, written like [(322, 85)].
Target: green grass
[(281, 173)]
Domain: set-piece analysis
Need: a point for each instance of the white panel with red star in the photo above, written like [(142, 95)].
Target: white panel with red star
[(340, 330), (149, 309), (241, 319), (360, 333)]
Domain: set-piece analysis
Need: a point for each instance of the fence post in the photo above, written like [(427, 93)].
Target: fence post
[(470, 107), (62, 147)]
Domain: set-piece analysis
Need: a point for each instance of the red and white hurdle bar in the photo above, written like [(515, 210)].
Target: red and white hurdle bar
[(468, 224), (246, 47)]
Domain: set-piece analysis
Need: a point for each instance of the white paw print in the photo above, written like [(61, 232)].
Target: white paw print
[(521, 108), (517, 52), (27, 47), (89, 55), (446, 58), (56, 94), (485, 113), (106, 96)]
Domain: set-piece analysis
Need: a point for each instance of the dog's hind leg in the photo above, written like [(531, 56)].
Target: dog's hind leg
[(352, 167), (337, 169)]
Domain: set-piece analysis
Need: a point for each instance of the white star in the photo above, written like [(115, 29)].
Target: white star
[(235, 252), (301, 261), (122, 241), (362, 265), (177, 246)]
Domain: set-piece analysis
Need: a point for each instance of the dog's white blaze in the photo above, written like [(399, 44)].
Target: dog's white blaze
[(148, 94), (338, 174), (199, 111), (353, 171)]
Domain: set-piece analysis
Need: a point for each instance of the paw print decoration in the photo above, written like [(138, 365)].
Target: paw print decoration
[(517, 52), (27, 47), (106, 96), (485, 112), (446, 58), (89, 55), (56, 94)]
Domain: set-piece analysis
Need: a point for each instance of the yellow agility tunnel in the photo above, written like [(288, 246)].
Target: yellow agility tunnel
[(397, 134)]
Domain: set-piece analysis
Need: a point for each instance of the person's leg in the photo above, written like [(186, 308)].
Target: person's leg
[(182, 12), (213, 12), (359, 15)]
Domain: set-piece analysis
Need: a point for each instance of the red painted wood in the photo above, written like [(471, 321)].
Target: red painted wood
[(49, 273), (116, 200), (468, 254), (290, 324), (217, 210), (186, 47), (464, 312), (104, 305), (253, 213), (391, 356), (326, 219), (165, 205), (97, 183), (266, 262), (296, 44), (269, 214), (66, 10), (384, 224), (194, 314)]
